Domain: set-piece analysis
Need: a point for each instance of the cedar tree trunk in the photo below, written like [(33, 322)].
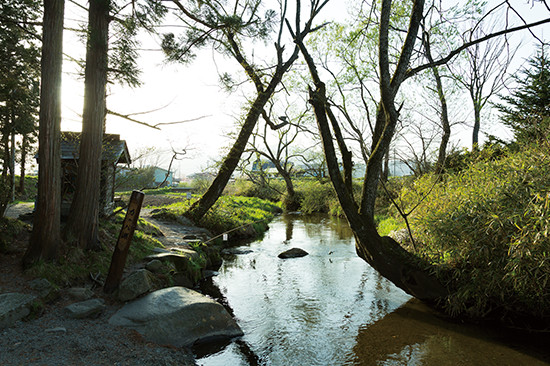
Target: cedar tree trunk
[(84, 213), (45, 240)]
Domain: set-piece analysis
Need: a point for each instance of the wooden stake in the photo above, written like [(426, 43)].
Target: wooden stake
[(123, 243)]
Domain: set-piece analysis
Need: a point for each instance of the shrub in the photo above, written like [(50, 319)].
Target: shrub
[(315, 196), (201, 184), (491, 225), (247, 188), (388, 224)]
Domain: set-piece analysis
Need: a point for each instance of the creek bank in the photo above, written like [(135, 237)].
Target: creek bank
[(79, 316)]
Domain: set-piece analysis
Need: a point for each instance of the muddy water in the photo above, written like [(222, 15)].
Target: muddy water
[(331, 308)]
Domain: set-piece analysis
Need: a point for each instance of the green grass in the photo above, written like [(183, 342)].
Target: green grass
[(76, 265), (489, 224), (10, 229), (247, 216), (387, 224)]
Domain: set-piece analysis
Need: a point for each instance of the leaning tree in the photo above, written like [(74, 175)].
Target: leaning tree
[(405, 269), (228, 27)]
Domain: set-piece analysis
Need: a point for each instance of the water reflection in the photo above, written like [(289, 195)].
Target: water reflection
[(415, 335), (302, 311), (331, 308)]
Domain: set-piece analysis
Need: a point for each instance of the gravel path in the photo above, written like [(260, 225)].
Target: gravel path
[(13, 211), (53, 339)]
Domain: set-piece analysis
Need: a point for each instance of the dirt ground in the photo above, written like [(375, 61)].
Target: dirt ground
[(50, 338)]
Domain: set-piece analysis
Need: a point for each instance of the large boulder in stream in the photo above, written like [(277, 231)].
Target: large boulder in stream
[(293, 253), (177, 316)]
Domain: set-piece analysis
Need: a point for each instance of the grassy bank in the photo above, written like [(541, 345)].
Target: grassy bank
[(490, 224), (76, 266), (240, 217)]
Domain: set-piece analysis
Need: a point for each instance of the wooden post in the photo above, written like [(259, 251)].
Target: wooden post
[(123, 243)]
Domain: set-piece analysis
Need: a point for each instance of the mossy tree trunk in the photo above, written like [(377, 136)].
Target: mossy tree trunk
[(406, 270)]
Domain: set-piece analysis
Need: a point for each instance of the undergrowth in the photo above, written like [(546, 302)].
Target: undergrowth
[(243, 216), (76, 265), (490, 224)]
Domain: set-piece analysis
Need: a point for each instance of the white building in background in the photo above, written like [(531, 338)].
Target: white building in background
[(160, 175), (397, 169)]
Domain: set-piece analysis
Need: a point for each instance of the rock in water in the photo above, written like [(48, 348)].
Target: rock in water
[(177, 316), (293, 253)]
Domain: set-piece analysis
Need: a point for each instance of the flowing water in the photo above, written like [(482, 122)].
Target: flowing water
[(331, 308)]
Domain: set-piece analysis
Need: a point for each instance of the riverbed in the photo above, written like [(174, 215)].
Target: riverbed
[(331, 308)]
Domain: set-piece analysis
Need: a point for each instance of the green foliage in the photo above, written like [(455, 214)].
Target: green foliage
[(249, 214), (393, 186), (460, 160), (387, 224), (218, 20), (135, 178), (246, 188), (315, 197), (31, 188), (76, 265), (73, 268), (201, 183), (527, 109), (10, 229), (490, 224), (232, 212), (19, 83)]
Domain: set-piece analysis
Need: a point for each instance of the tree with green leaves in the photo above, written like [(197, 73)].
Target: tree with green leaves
[(527, 109), (228, 27), (19, 86), (396, 64)]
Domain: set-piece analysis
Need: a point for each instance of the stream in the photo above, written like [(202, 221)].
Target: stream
[(332, 308)]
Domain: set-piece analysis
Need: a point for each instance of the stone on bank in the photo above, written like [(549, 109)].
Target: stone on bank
[(14, 306), (177, 316)]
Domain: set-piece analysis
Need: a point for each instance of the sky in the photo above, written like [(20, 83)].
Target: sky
[(185, 92)]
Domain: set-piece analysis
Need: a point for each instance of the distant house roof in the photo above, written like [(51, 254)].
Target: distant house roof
[(162, 170), (115, 150)]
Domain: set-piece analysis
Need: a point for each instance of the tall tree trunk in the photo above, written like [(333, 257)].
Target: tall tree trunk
[(385, 255), (445, 125), (45, 240), (12, 162), (230, 162), (291, 202), (477, 124), (82, 224), (4, 181), (24, 147), (386, 169)]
